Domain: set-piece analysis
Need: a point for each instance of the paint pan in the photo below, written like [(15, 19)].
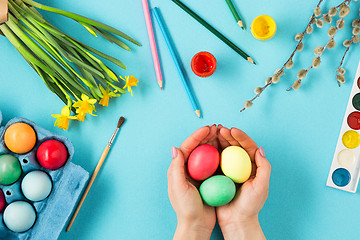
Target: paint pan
[(345, 168)]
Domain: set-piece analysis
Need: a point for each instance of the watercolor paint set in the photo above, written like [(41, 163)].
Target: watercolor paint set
[(36, 198), (345, 168)]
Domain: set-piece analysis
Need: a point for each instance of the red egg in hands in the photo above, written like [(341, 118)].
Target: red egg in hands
[(52, 154), (203, 162), (2, 201)]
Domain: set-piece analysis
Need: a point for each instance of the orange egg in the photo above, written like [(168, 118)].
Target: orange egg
[(20, 138)]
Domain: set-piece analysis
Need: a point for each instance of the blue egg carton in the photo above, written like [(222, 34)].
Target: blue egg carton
[(68, 182)]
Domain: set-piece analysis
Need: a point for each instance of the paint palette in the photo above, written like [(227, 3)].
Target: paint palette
[(345, 168), (45, 216)]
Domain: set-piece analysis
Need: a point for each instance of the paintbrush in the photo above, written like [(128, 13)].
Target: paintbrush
[(96, 171)]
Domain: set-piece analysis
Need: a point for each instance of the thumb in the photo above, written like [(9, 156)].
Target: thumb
[(176, 172), (263, 168)]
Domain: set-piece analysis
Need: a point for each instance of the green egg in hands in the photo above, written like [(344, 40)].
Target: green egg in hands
[(236, 164), (217, 190)]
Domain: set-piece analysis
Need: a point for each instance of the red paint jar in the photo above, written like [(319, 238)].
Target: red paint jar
[(203, 64)]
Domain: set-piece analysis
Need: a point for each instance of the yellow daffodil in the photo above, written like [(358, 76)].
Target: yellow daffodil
[(107, 94), (84, 106), (130, 81), (62, 120)]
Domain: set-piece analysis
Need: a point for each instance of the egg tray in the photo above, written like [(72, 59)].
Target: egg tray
[(68, 182)]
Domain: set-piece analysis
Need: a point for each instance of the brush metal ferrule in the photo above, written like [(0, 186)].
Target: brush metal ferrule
[(113, 137)]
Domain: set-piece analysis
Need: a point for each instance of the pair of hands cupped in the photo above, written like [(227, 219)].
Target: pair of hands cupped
[(192, 213)]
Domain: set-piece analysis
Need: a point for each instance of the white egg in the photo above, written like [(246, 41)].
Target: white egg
[(36, 186), (19, 216)]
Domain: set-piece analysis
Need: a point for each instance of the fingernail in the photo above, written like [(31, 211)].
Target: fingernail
[(174, 152), (262, 152)]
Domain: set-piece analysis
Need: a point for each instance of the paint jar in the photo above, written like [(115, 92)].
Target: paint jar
[(263, 27), (203, 64)]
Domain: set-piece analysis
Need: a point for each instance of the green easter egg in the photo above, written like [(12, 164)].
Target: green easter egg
[(217, 190), (10, 169)]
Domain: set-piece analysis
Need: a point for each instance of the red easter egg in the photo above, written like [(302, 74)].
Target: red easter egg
[(2, 200), (203, 162), (52, 154)]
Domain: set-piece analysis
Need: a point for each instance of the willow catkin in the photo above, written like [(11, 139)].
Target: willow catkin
[(331, 43), (319, 23), (318, 50), (344, 11), (301, 74), (300, 47), (332, 31), (289, 64), (327, 18), (296, 85), (316, 62), (355, 39), (356, 31), (340, 78), (332, 11), (341, 71), (248, 104), (317, 11), (347, 43)]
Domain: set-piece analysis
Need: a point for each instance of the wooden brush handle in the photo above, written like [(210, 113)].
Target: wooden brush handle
[(97, 169)]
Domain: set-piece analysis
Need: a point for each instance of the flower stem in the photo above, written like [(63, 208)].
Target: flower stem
[(80, 18)]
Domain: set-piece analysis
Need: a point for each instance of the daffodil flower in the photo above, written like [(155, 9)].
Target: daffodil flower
[(84, 106), (62, 120), (107, 94), (130, 81)]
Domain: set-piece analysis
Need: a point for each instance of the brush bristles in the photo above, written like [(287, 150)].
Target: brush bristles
[(121, 122)]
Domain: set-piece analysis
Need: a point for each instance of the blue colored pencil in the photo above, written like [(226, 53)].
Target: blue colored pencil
[(176, 60)]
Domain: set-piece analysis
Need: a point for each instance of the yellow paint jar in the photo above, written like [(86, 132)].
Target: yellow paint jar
[(263, 27)]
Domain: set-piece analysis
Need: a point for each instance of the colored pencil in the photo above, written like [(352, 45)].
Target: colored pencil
[(235, 13), (96, 171), (214, 31), (152, 43), (176, 60)]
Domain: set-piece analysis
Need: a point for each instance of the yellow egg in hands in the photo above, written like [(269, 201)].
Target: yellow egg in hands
[(236, 164)]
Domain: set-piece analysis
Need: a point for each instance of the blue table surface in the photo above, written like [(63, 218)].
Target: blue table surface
[(298, 130)]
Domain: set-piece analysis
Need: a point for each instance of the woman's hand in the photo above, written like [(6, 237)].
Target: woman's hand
[(239, 218), (196, 220)]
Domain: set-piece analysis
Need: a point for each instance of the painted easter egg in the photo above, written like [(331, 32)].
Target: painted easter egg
[(203, 162), (36, 186), (2, 201), (20, 138), (52, 154), (19, 216), (236, 164), (10, 169), (217, 190)]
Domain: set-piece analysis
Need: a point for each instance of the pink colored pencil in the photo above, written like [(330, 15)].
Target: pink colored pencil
[(152, 43)]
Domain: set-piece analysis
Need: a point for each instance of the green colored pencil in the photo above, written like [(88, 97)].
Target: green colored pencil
[(214, 31), (235, 13)]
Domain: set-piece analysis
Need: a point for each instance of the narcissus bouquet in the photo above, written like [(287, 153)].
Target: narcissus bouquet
[(69, 68)]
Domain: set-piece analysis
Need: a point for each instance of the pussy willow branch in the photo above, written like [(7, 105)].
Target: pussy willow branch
[(347, 2), (342, 61), (291, 56), (293, 53)]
